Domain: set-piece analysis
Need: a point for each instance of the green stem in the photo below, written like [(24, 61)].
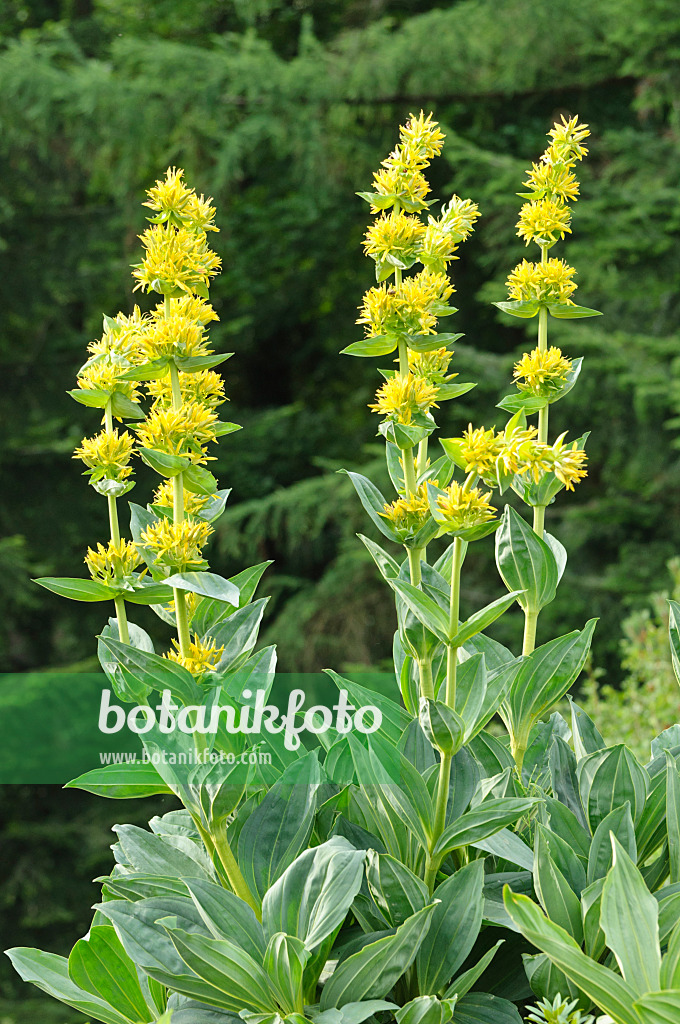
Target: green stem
[(114, 527), (232, 870), (181, 614), (426, 680), (530, 623), (414, 558), (443, 783)]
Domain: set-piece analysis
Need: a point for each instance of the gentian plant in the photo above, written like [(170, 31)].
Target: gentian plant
[(391, 873)]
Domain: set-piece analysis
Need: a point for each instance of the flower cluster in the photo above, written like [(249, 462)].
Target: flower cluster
[(185, 431), (542, 373), (432, 365), (201, 658), (407, 515), (402, 398), (398, 239), (463, 508), (545, 216), (107, 455), (177, 257), (177, 545), (112, 563)]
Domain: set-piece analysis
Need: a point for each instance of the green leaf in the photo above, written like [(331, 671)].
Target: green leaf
[(161, 462), (423, 607), (121, 781), (158, 673), (529, 403), (483, 821), (373, 503), (124, 408), (147, 852), (279, 828), (554, 893), (284, 964), (563, 311), (445, 392), (147, 592), (526, 310), (674, 635), (430, 342), (100, 965), (389, 568), (237, 981), (314, 894), (405, 435), (444, 728), (454, 928), (603, 986), (619, 823), (670, 964), (630, 921), (608, 779), (220, 429), (194, 364), (471, 688), (570, 379), (78, 590), (485, 1008), (659, 1007), (93, 398), (199, 480), (50, 973), (111, 488), (525, 562), (396, 891), (373, 972), (207, 584), (464, 982), (673, 816), (478, 622), (227, 916), (148, 371), (380, 346)]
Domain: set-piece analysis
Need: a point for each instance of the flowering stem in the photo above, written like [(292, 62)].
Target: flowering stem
[(218, 841), (451, 667), (181, 616), (426, 680), (119, 603)]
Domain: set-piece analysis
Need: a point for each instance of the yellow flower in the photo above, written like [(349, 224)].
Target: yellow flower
[(421, 139), (179, 431), (378, 310), (176, 259), (174, 201), (418, 299), (409, 514), (193, 503), (463, 509), (479, 448), (543, 220), (121, 341), (201, 658), (205, 387), (396, 178), (394, 234), (541, 373), (567, 138), (556, 181), (107, 454), (432, 365), (110, 564), (175, 335), (400, 398), (542, 282), (568, 462), (177, 545), (520, 452)]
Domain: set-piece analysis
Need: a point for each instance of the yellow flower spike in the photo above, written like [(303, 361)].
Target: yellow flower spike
[(107, 454), (463, 508), (556, 181), (568, 462), (176, 431), (205, 387), (542, 373), (543, 282), (417, 299), (193, 503), (400, 398), (201, 658), (479, 448), (395, 234), (432, 365), (543, 220), (112, 563), (175, 335), (177, 545), (421, 138), (177, 259), (409, 514)]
